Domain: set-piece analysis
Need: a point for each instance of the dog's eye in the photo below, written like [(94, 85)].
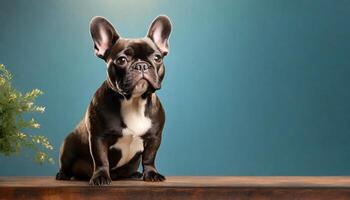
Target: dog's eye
[(157, 58), (121, 60)]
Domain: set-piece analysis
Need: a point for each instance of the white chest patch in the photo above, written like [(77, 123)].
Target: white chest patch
[(133, 114), (137, 124)]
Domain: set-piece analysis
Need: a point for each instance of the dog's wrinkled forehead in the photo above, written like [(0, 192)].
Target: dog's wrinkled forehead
[(137, 48)]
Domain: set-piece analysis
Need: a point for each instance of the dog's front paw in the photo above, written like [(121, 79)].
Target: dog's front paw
[(100, 179), (62, 176), (153, 176)]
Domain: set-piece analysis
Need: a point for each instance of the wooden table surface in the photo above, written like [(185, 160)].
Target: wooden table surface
[(180, 187), (191, 181)]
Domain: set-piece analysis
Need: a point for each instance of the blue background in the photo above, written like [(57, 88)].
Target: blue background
[(252, 87)]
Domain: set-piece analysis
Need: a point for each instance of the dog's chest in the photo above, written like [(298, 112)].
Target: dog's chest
[(137, 124)]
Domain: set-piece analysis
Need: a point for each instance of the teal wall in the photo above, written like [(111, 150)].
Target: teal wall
[(252, 87)]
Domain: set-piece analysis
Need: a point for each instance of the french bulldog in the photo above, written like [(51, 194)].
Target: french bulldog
[(123, 124)]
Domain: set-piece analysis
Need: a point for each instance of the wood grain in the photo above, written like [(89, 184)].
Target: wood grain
[(264, 188)]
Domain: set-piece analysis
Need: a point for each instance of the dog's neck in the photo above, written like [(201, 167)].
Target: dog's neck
[(136, 103)]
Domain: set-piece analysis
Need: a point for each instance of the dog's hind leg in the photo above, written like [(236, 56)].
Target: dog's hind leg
[(67, 159)]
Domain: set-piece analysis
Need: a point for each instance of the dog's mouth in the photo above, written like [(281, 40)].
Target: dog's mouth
[(144, 85), (155, 84), (141, 86)]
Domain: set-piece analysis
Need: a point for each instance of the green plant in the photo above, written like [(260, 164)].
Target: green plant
[(14, 107)]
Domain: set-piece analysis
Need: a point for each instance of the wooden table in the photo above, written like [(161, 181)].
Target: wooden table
[(188, 187)]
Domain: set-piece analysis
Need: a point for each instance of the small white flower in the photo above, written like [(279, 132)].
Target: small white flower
[(40, 109), (12, 97), (30, 104), (22, 135)]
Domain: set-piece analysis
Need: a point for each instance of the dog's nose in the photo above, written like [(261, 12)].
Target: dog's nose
[(141, 66)]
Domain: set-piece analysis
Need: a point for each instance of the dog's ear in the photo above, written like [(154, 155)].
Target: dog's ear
[(103, 34), (159, 32)]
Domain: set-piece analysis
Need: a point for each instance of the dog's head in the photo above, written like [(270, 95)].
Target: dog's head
[(134, 66)]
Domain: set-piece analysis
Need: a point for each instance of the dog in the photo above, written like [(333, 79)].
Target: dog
[(123, 124)]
